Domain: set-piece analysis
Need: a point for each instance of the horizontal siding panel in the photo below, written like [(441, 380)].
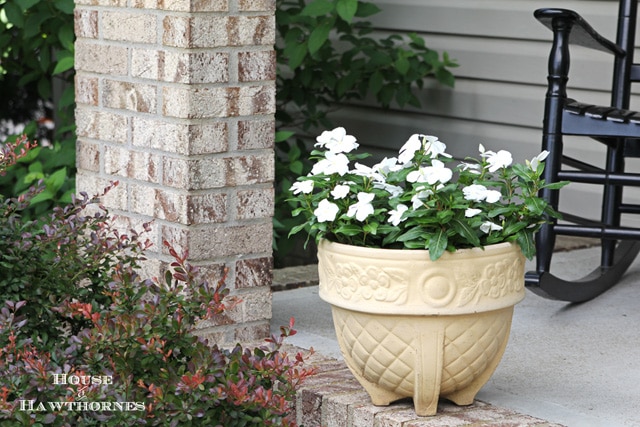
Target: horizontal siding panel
[(487, 18)]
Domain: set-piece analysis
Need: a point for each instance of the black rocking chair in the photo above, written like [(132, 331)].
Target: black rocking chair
[(615, 126)]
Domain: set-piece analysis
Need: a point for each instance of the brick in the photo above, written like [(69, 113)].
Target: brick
[(251, 30), (206, 208), (99, 58), (219, 241), (94, 185), (257, 66), (195, 67), (335, 408), (118, 3), (255, 203), (181, 138), (202, 31), (130, 27), (185, 5), (87, 155), (85, 23), (252, 273), (195, 103), (257, 5), (256, 134), (145, 63), (251, 332), (251, 100), (256, 305), (198, 174), (101, 125), (250, 169), (130, 96), (86, 90), (139, 165)]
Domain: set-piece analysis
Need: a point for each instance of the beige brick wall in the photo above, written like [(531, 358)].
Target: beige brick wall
[(175, 100)]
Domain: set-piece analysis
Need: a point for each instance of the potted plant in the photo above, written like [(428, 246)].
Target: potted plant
[(421, 262)]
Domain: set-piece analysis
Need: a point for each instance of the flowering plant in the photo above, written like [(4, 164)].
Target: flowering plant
[(416, 201)]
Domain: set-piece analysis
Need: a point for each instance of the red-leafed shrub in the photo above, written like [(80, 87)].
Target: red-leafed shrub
[(86, 341)]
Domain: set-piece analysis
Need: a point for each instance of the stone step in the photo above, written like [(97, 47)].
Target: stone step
[(334, 398)]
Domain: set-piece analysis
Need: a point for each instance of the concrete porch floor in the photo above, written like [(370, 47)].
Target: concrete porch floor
[(576, 365)]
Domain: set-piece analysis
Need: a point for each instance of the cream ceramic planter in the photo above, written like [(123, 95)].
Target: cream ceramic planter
[(411, 327)]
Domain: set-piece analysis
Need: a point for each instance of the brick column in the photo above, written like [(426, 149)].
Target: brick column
[(175, 99)]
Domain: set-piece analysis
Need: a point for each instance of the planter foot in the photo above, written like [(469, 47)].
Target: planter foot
[(428, 371)]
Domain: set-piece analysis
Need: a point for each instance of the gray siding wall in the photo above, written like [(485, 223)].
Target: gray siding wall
[(500, 83)]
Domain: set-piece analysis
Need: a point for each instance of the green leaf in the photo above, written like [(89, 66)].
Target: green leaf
[(411, 234), (347, 9), (65, 6), (437, 245), (376, 82), (319, 36), (43, 196), (26, 4), (348, 230), (63, 65), (14, 14), (297, 54), (527, 244), (317, 8), (55, 181), (367, 9), (66, 37), (402, 65), (283, 135), (463, 229)]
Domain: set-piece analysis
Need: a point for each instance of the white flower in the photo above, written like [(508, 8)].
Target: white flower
[(471, 212), (395, 215), (340, 191), (498, 160), (387, 165), (437, 172), (533, 164), (337, 141), (478, 193), (304, 187), (363, 208), (409, 149), (418, 198), (434, 147), (326, 211), (367, 172), (332, 163), (393, 190), (471, 167), (488, 226), (492, 196)]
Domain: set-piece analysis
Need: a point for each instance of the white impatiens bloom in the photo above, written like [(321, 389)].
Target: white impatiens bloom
[(478, 193), (471, 212), (437, 172), (332, 163), (304, 187), (326, 211), (395, 215), (408, 150), (337, 141), (488, 226), (533, 164), (340, 191), (363, 208)]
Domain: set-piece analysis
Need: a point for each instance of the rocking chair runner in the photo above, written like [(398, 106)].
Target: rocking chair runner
[(615, 126)]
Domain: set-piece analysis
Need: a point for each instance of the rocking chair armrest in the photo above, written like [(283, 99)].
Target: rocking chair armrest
[(582, 33)]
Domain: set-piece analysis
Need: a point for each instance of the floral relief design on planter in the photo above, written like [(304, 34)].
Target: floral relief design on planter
[(355, 283), (495, 281)]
